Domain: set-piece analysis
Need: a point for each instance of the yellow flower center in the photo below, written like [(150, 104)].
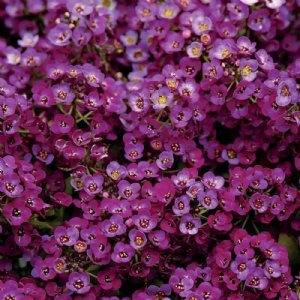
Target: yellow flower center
[(168, 13), (246, 71), (225, 53), (162, 99), (130, 40), (196, 50), (203, 26)]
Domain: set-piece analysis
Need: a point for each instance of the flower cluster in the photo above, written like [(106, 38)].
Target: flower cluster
[(149, 149)]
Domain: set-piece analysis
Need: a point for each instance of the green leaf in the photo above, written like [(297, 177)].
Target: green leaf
[(69, 188), (291, 244)]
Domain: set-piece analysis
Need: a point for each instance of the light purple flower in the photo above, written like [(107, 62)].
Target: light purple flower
[(78, 282), (189, 225)]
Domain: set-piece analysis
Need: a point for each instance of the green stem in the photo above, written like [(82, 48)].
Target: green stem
[(231, 85), (92, 275), (245, 221), (82, 118), (254, 226), (60, 107), (23, 131)]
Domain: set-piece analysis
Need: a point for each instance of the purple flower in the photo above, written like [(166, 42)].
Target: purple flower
[(129, 38), (22, 234), (137, 238), (183, 179), (189, 90), (223, 49), (286, 92), (137, 54), (180, 116), (208, 199), (207, 291), (10, 290), (93, 184), (181, 206), (7, 106), (134, 152), (194, 50), (16, 212), (248, 69), (79, 7), (259, 202), (93, 101), (122, 253), (66, 236), (109, 280), (60, 35), (62, 93), (114, 226), (62, 124), (146, 11), (212, 70), (259, 20), (257, 280), (201, 24), (31, 58), (149, 169), (242, 267), (168, 11), (160, 239), (162, 98), (265, 61), (173, 42), (28, 40), (115, 170), (189, 224), (244, 90), (162, 291), (128, 190), (220, 221), (272, 269), (93, 75), (181, 281), (144, 221), (78, 282), (238, 11), (91, 209), (218, 94), (44, 269), (139, 101), (213, 182), (10, 184)]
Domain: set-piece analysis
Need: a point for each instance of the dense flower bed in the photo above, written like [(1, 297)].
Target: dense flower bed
[(149, 149)]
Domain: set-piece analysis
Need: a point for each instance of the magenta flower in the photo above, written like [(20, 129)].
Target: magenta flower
[(109, 280), (16, 212), (62, 124), (10, 185), (43, 153), (44, 269)]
